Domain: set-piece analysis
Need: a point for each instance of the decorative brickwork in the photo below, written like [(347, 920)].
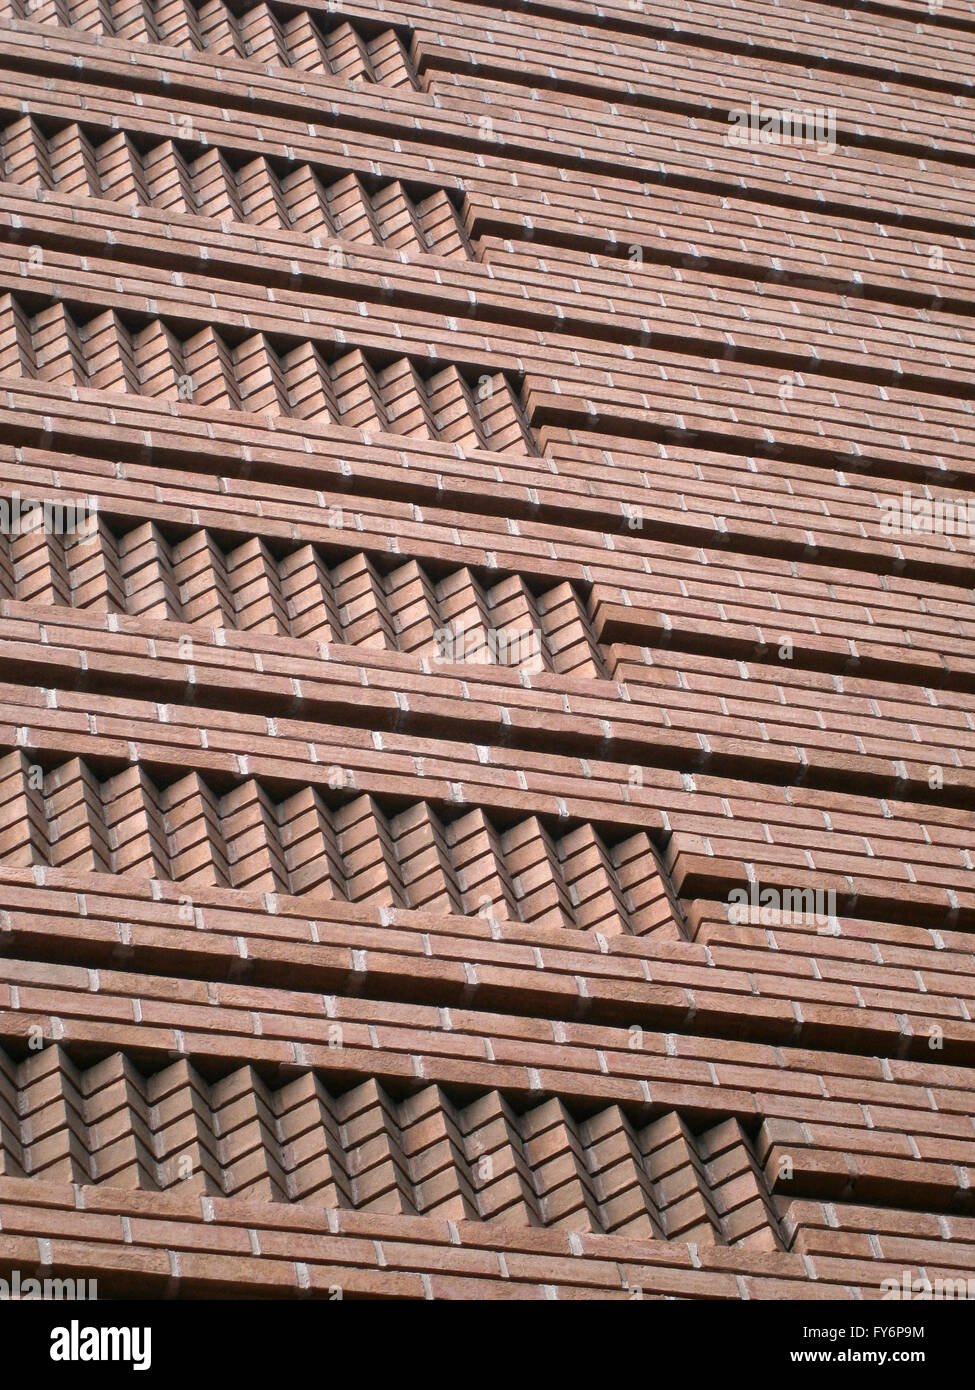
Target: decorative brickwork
[(487, 693)]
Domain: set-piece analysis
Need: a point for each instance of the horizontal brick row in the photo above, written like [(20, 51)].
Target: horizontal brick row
[(833, 1229), (760, 726), (539, 50), (457, 618), (886, 37), (885, 1130), (528, 547), (217, 1246), (737, 317), (846, 984), (900, 40), (566, 382), (279, 514), (687, 142), (878, 855), (722, 229), (449, 113), (309, 41), (845, 175), (886, 622), (541, 46)]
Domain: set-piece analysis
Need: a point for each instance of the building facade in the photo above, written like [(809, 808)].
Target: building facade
[(487, 700)]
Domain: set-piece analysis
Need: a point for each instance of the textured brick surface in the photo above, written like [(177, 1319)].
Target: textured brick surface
[(490, 588)]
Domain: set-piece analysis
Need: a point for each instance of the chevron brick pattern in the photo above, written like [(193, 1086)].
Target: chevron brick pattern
[(173, 177), (188, 832), (481, 1161), (206, 370), (473, 516), (306, 40), (301, 595)]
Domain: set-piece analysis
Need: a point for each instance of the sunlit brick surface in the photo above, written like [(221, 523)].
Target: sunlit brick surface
[(487, 717)]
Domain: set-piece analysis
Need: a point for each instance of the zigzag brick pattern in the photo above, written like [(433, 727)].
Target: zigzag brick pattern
[(188, 832), (364, 1151), (487, 705)]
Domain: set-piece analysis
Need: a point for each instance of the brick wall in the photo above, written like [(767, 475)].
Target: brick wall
[(487, 718)]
